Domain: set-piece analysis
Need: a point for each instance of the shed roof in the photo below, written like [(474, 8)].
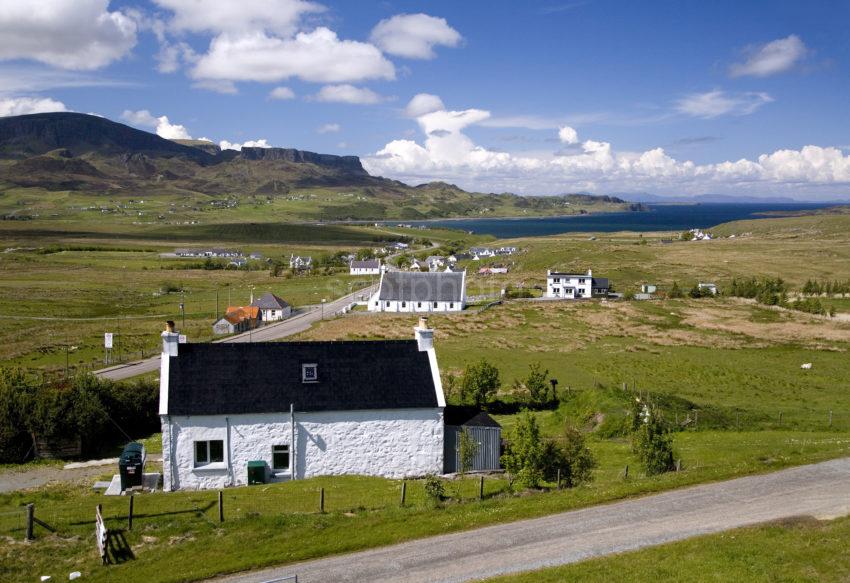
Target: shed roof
[(467, 416), (236, 378), (600, 282), (411, 286)]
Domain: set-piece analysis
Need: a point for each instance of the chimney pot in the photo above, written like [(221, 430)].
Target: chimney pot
[(169, 326)]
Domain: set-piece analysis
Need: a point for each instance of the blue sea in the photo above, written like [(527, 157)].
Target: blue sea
[(659, 217)]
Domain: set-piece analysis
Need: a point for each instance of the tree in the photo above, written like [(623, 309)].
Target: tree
[(652, 441), (573, 458), (676, 291), (364, 254), (687, 236), (480, 382), (467, 449), (536, 383), (524, 457)]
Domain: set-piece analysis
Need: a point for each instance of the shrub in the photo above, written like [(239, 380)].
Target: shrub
[(573, 458), (524, 457), (480, 382), (467, 448), (676, 291), (434, 489), (652, 441)]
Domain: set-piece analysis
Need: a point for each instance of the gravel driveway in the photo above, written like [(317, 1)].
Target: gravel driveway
[(819, 490)]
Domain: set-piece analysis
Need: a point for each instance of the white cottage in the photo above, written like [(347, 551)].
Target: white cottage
[(575, 285), (365, 267), (299, 409), (272, 308), (410, 291)]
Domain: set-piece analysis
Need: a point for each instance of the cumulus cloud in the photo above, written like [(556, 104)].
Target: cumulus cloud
[(423, 103), (281, 93), (567, 135), (318, 57), (328, 128), (25, 105), (70, 34), (261, 143), (769, 59), (716, 103), (161, 125), (447, 153), (277, 16), (414, 36), (347, 94)]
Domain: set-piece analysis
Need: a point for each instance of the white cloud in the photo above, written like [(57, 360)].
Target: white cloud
[(163, 127), (70, 34), (25, 105), (716, 103), (423, 103), (328, 128), (281, 93), (448, 154), (261, 143), (347, 94), (771, 58), (414, 36), (568, 135), (317, 57), (217, 16)]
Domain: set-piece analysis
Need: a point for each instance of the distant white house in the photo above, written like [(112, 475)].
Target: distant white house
[(575, 285), (711, 287), (417, 265), (298, 262), (272, 308), (211, 252), (480, 252), (700, 235), (409, 291), (366, 267), (435, 262), (233, 414)]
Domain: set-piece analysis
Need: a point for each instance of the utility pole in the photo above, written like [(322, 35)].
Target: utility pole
[(323, 308), (216, 304), (183, 308)]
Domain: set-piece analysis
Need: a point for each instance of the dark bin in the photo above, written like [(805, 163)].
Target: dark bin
[(257, 472), (131, 465)]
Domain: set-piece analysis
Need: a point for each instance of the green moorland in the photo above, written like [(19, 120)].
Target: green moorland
[(802, 549)]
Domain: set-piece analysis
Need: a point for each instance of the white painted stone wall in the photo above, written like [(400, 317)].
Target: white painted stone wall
[(394, 443), (275, 315), (376, 305), (364, 271)]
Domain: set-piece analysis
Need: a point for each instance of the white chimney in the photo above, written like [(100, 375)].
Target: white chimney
[(170, 340), (424, 335), (589, 273)]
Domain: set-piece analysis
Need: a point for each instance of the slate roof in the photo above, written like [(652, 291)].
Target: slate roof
[(411, 286), (234, 378), (467, 416), (269, 301), (600, 282), (366, 264)]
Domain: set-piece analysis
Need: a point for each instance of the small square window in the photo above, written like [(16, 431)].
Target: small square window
[(310, 373), (419, 304), (207, 452), (280, 457), (435, 304)]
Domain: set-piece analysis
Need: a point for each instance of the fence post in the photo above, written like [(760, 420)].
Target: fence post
[(678, 464), (220, 506), (322, 500), (780, 418), (30, 516), (403, 491), (130, 515), (830, 417), (626, 473), (558, 486), (481, 489)]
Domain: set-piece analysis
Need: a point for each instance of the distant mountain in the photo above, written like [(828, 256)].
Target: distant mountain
[(646, 197), (93, 155)]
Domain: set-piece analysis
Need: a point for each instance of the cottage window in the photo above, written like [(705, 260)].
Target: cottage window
[(418, 304), (209, 452), (451, 305), (388, 304), (435, 304), (280, 457), (403, 304), (310, 373), (556, 280), (581, 280)]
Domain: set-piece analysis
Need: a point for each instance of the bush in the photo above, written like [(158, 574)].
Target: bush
[(676, 291), (573, 458), (480, 382), (467, 448), (434, 489), (524, 457), (651, 440), (535, 387)]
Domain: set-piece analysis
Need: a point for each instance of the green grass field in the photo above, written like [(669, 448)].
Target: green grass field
[(803, 549)]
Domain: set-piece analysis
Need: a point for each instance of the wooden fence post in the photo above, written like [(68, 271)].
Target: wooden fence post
[(678, 464), (220, 506), (130, 514), (403, 491), (558, 483), (830, 417), (30, 516), (626, 473), (780, 418), (322, 500), (481, 489)]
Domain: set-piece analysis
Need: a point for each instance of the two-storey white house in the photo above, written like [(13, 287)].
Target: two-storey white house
[(575, 285)]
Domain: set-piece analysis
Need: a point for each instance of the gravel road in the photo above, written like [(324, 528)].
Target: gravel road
[(819, 490)]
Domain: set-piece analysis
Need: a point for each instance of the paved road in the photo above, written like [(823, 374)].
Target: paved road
[(302, 320), (820, 490)]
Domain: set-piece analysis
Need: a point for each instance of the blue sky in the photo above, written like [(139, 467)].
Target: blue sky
[(533, 97)]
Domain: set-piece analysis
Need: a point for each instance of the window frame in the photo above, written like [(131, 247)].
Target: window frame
[(208, 452), (305, 377), (285, 449)]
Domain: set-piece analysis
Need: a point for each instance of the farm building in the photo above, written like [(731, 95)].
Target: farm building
[(401, 291), (366, 267), (238, 319), (572, 286), (272, 308), (486, 434), (293, 410)]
